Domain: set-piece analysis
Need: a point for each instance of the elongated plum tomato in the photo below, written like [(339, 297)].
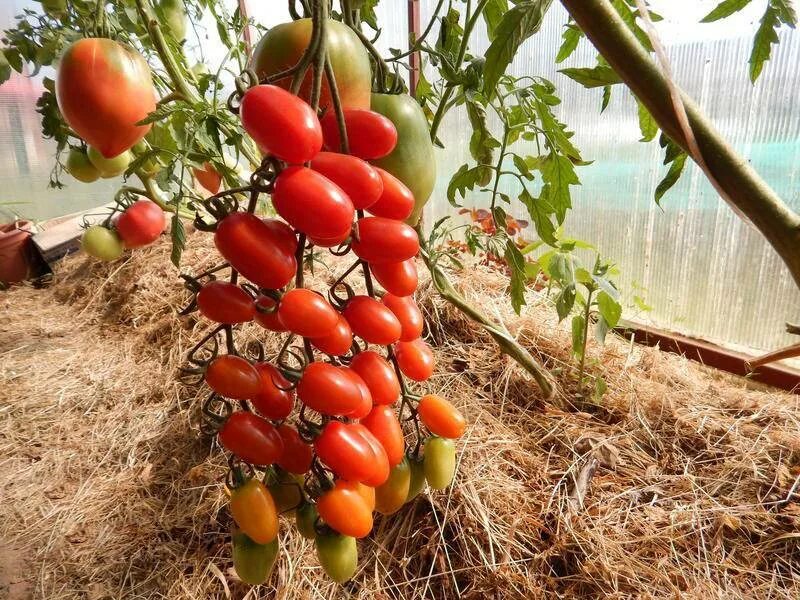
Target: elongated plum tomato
[(329, 390), (390, 497), (255, 250), (396, 201), (253, 510), (225, 302), (345, 450), (104, 89), (383, 424), (379, 376), (305, 312), (415, 359), (370, 135), (338, 555), (305, 518), (283, 234), (357, 178), (140, 224), (281, 124), (267, 314), (253, 562), (251, 438), (297, 454), (398, 278), (338, 341), (233, 377), (372, 321), (408, 313), (313, 204), (208, 177), (441, 417), (344, 510), (274, 399), (380, 462), (439, 462), (365, 405), (417, 468), (382, 240)]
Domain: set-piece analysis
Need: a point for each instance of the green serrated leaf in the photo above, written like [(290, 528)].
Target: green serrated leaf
[(178, 234), (561, 267), (594, 77), (516, 263), (672, 176), (558, 174), (480, 145), (464, 179), (647, 124), (571, 36), (539, 211), (766, 36), (609, 308), (725, 9), (492, 14), (606, 98), (565, 301), (578, 341)]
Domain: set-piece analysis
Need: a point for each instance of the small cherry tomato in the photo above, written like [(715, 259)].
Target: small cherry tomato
[(380, 462), (225, 302), (345, 450), (307, 313), (283, 234), (439, 462), (363, 408), (233, 377), (141, 224), (253, 562), (390, 497), (274, 400), (383, 424), (379, 376), (398, 278), (208, 177), (281, 124), (297, 454), (255, 250), (408, 313), (251, 438), (305, 517), (370, 135), (396, 201), (285, 489), (382, 240), (329, 390), (267, 314), (372, 321), (417, 482), (313, 204), (254, 511), (338, 341), (415, 359), (357, 178), (338, 555), (441, 417), (344, 510)]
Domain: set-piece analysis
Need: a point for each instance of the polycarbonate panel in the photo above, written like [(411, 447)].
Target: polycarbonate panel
[(704, 272)]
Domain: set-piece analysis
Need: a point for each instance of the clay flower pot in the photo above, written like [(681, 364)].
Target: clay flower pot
[(15, 251)]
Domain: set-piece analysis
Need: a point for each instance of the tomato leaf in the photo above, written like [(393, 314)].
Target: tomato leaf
[(599, 76), (5, 68), (777, 12), (492, 14), (610, 309), (647, 124), (578, 341), (725, 9), (571, 36), (606, 98), (676, 158), (558, 173), (539, 211), (178, 235), (565, 301), (464, 179), (516, 263)]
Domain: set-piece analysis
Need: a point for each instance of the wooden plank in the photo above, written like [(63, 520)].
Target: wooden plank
[(61, 236)]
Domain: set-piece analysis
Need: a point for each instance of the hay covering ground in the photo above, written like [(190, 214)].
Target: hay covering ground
[(108, 491)]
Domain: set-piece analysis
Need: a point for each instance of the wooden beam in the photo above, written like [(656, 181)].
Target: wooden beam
[(414, 30)]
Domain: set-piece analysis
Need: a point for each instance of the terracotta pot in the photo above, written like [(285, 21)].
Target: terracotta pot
[(15, 251)]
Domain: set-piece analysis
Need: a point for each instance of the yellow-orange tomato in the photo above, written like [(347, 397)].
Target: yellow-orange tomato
[(253, 509), (391, 496), (441, 417), (345, 510)]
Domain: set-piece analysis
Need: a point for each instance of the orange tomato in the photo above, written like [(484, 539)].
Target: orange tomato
[(253, 509), (441, 417), (345, 510)]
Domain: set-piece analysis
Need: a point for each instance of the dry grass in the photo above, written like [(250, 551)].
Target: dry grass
[(108, 491)]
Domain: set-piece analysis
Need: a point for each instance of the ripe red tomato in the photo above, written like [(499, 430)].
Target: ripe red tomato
[(396, 201), (357, 178), (208, 177), (382, 240), (362, 410), (338, 341), (103, 89), (313, 204), (372, 321), (225, 302), (380, 462), (408, 313), (415, 359), (297, 454), (344, 510), (344, 449), (233, 377), (283, 234), (251, 438), (307, 313), (329, 390), (253, 248), (274, 400), (370, 135), (383, 424), (141, 224), (379, 376), (398, 278), (281, 124), (268, 320), (441, 417)]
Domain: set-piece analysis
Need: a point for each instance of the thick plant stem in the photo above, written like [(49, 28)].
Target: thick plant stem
[(744, 187)]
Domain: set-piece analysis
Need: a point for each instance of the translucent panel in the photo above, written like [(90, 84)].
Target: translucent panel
[(704, 272)]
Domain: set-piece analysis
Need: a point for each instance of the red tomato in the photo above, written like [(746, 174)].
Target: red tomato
[(372, 321), (370, 135), (281, 124), (379, 376), (274, 400), (251, 438), (208, 177), (398, 278), (382, 240), (307, 313), (329, 390), (141, 224), (313, 204), (380, 462), (283, 233), (268, 320), (329, 242), (357, 178), (233, 377), (104, 88), (345, 510), (343, 448), (297, 454), (396, 201), (441, 417), (338, 341), (408, 313), (225, 302), (383, 424), (253, 248), (362, 410), (415, 359)]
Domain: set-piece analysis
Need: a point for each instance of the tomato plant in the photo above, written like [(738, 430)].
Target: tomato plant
[(254, 511), (379, 376), (408, 313), (415, 359), (253, 562), (398, 278), (102, 243), (338, 555), (140, 224), (361, 182), (439, 462), (224, 302), (345, 510), (274, 398), (441, 417), (306, 313), (372, 321), (251, 438), (390, 497), (370, 134)]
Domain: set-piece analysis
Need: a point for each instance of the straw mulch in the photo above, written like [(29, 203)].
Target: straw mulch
[(678, 483)]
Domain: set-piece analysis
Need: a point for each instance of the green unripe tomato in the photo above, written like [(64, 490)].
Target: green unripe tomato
[(175, 15), (286, 490), (253, 562), (151, 166), (338, 555), (392, 494), (305, 517), (110, 167), (102, 243), (80, 167), (439, 462), (417, 482)]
